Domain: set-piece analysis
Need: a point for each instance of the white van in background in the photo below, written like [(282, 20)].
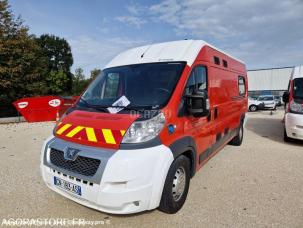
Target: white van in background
[(293, 99)]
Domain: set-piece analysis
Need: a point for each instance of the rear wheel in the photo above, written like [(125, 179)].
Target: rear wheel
[(176, 186), (237, 140), (253, 108)]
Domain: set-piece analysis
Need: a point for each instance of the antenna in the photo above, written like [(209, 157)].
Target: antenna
[(145, 51)]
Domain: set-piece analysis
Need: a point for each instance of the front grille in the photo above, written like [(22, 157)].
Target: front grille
[(82, 165)]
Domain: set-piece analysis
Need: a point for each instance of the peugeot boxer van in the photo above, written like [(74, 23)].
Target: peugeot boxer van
[(293, 100), (143, 128)]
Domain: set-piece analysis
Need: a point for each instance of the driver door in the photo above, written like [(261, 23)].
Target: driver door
[(198, 127)]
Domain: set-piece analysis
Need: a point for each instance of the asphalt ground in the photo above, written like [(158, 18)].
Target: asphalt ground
[(258, 184)]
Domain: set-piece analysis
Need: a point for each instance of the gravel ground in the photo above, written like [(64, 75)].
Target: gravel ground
[(259, 184)]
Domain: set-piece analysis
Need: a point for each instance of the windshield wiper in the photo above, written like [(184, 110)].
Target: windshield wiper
[(131, 108), (96, 107), (105, 107)]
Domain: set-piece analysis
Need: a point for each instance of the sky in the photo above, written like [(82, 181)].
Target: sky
[(262, 33)]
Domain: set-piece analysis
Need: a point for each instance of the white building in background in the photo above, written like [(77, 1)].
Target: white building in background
[(268, 81)]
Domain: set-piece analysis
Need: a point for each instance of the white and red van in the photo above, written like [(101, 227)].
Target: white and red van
[(153, 117), (293, 100)]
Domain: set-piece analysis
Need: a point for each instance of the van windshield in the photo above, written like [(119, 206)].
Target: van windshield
[(144, 85), (298, 88)]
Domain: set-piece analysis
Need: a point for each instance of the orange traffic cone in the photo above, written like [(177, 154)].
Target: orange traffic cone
[(57, 116)]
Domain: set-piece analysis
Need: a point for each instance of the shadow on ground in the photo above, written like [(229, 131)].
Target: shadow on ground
[(271, 128)]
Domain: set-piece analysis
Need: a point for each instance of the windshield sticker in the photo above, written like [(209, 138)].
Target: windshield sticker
[(121, 102)]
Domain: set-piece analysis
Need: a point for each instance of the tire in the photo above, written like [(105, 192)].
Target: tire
[(177, 181), (253, 108), (237, 140), (286, 138)]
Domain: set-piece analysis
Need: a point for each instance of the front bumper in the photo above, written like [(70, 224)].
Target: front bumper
[(294, 125), (132, 180)]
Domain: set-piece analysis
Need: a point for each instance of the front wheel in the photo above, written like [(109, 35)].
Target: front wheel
[(176, 186), (253, 108)]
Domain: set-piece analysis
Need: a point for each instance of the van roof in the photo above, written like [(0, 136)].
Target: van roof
[(297, 72), (183, 50)]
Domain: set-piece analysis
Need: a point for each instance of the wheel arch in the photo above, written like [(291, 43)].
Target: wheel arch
[(186, 146)]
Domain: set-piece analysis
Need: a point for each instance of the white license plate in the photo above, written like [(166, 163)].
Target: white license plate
[(76, 189)]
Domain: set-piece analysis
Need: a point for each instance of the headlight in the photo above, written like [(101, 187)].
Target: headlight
[(296, 107), (142, 131)]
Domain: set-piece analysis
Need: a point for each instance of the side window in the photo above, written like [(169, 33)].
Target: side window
[(225, 63), (111, 86), (197, 80), (242, 88), (216, 60), (269, 98)]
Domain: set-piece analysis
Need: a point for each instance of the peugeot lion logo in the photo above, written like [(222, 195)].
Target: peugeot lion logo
[(71, 153)]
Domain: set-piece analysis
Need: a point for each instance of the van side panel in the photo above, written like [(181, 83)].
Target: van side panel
[(227, 107), (224, 95)]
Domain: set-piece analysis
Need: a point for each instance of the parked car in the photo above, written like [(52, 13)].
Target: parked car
[(254, 105), (278, 101), (153, 117), (268, 101), (293, 99)]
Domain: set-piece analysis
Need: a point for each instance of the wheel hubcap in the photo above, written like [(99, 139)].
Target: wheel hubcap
[(179, 183)]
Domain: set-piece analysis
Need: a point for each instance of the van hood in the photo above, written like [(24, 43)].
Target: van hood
[(94, 129)]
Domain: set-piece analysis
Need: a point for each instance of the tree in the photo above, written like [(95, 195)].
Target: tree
[(94, 73), (30, 66), (79, 75), (56, 82), (19, 62), (79, 82), (59, 57)]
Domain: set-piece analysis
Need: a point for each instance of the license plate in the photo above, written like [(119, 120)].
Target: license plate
[(76, 189)]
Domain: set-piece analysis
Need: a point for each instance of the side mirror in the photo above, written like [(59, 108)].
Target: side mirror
[(286, 97), (197, 104)]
